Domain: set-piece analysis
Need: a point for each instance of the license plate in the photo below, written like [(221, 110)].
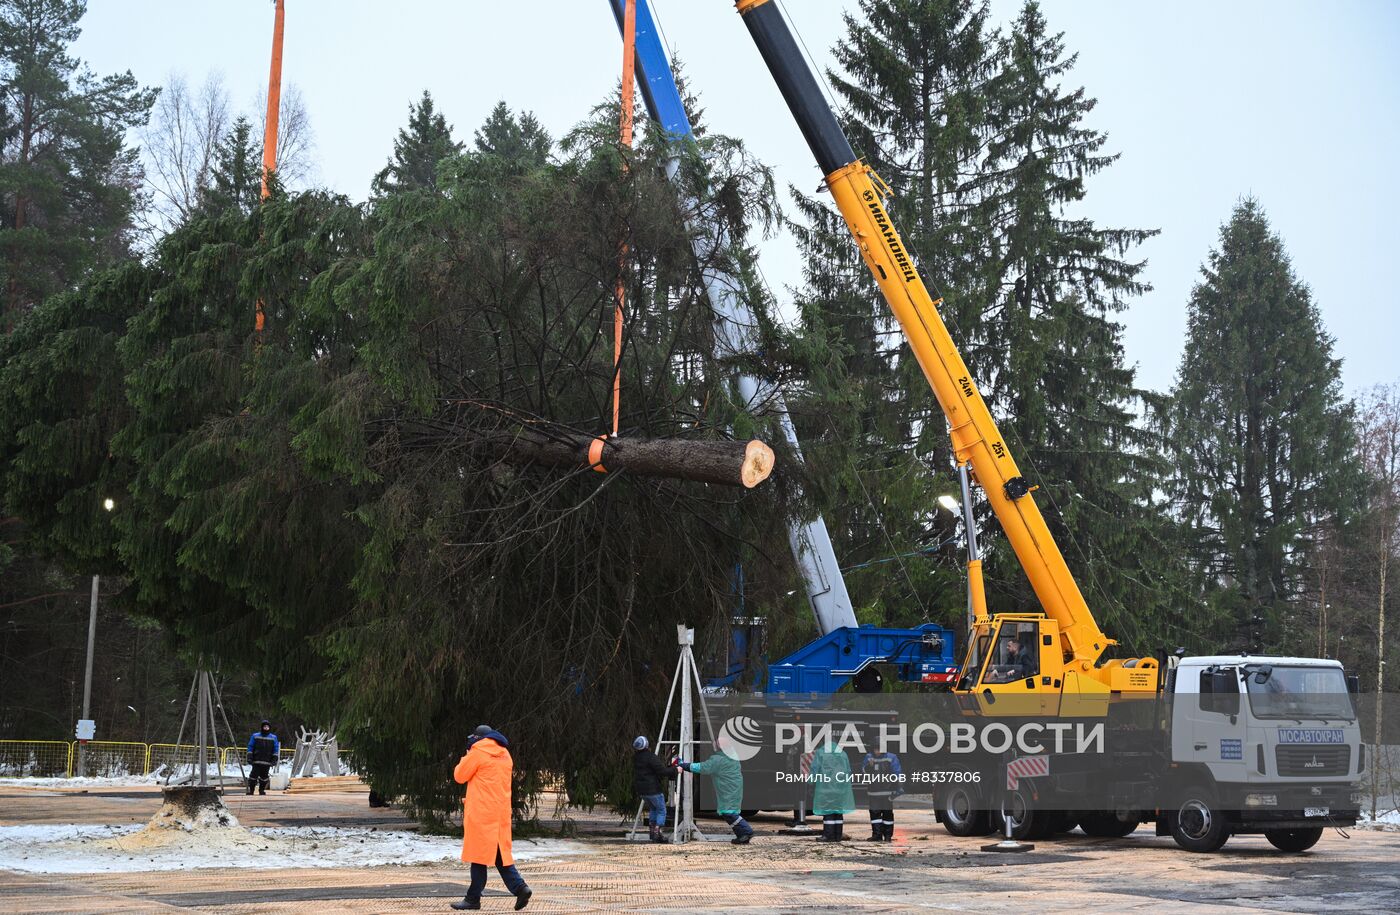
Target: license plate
[(1316, 811)]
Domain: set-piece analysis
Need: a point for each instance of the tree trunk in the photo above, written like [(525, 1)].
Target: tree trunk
[(727, 463)]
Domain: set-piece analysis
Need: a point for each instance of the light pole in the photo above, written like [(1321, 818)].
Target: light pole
[(107, 504)]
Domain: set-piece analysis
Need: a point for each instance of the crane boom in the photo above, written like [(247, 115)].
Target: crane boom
[(860, 197), (735, 326)]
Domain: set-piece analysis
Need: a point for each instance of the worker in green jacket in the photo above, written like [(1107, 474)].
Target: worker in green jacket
[(833, 797), (729, 791)]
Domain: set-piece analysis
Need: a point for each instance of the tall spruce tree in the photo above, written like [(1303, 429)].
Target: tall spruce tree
[(418, 149), (236, 180), (1262, 433), (1055, 371), (68, 181), (513, 138), (323, 507), (986, 152), (913, 79)]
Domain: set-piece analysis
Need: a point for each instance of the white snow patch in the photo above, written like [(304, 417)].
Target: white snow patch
[(122, 781), (87, 850), (1382, 820)]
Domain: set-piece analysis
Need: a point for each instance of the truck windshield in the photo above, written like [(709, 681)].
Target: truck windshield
[(1299, 693)]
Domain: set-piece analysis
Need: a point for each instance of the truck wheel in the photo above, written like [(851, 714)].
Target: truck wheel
[(1105, 824), (1293, 839), (1197, 824), (960, 813)]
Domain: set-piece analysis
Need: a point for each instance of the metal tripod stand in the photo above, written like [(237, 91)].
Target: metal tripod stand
[(686, 678)]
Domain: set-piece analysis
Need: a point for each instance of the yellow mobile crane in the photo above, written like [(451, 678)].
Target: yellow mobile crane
[(1246, 744), (1058, 669)]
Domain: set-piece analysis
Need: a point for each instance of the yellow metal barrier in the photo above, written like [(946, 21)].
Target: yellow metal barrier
[(36, 758), (174, 757), (111, 758), (115, 758)]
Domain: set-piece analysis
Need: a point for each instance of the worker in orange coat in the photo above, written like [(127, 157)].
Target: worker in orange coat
[(486, 771)]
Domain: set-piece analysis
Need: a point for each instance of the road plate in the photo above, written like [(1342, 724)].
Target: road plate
[(1316, 811)]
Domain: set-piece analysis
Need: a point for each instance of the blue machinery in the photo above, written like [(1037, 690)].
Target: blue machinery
[(845, 651)]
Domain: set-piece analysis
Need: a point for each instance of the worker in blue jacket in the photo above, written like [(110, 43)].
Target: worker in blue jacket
[(884, 781), (263, 753)]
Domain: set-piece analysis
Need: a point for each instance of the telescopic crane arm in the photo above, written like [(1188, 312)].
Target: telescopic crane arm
[(860, 197), (735, 326)]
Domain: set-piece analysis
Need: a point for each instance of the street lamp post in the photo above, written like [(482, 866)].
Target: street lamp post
[(108, 504), (87, 675)]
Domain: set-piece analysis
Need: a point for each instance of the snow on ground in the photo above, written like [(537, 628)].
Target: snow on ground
[(116, 781), (93, 849), (123, 781), (1390, 819)]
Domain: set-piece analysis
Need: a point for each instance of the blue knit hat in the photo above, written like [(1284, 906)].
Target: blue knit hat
[(639, 744)]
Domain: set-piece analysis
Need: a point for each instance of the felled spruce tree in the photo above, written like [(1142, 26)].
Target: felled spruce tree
[(314, 506)]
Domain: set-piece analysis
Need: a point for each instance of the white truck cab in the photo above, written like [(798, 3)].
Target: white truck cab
[(1261, 744)]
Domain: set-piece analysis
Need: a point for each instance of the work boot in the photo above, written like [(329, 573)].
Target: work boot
[(522, 897), (828, 833), (658, 836), (741, 840), (252, 783), (468, 903)]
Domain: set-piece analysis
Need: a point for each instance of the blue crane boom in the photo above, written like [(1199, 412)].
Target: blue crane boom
[(734, 323), (844, 650)]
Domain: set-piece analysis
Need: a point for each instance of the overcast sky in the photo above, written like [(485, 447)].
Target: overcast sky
[(1297, 103)]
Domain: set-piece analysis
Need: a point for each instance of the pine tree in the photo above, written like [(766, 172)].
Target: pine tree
[(236, 179), (69, 181), (418, 149), (520, 140), (1263, 436)]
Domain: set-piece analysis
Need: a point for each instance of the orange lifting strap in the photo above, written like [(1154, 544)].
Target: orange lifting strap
[(274, 109), (629, 43)]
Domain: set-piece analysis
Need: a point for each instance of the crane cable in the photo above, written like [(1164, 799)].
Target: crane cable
[(629, 44)]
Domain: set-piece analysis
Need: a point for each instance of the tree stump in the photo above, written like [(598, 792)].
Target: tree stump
[(192, 807)]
